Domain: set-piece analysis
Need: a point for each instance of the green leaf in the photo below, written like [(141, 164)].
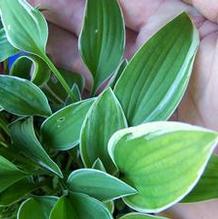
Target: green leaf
[(140, 216), (79, 206), (103, 119), (7, 49), (61, 131), (98, 184), (162, 160), (36, 207), (98, 165), (207, 187), (118, 73), (9, 174), (22, 67), (17, 191), (21, 97), (102, 36), (26, 142), (25, 27), (154, 81)]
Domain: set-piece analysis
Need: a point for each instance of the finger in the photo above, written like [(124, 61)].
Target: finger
[(205, 210), (67, 14), (63, 49), (209, 8)]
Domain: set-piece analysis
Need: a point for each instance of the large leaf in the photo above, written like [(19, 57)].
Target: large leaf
[(26, 143), (36, 207), (79, 206), (9, 174), (17, 191), (25, 27), (7, 49), (207, 187), (162, 160), (140, 216), (102, 39), (98, 184), (154, 81), (31, 67), (61, 131), (21, 97), (104, 118)]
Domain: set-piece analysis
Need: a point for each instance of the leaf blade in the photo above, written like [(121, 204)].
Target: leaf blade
[(25, 140), (102, 36), (61, 131), (21, 97), (158, 158), (150, 90), (103, 119), (99, 185), (79, 206)]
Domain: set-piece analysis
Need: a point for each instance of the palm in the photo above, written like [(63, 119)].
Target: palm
[(143, 18)]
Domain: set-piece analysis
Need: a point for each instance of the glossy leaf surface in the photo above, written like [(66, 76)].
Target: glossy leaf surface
[(25, 27), (21, 97), (36, 208), (104, 118), (26, 142), (154, 81), (163, 161), (98, 184), (79, 206), (102, 39), (61, 131)]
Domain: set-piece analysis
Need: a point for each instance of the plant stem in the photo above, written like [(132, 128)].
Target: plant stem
[(59, 77)]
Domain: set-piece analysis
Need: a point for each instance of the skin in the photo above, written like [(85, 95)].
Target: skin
[(143, 18)]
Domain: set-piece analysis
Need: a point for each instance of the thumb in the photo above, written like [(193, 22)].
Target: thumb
[(208, 8)]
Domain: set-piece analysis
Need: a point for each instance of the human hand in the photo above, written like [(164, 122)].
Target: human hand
[(143, 18)]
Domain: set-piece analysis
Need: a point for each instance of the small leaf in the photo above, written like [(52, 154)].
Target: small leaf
[(98, 184), (31, 67), (102, 36), (140, 216), (17, 191), (154, 81), (207, 187), (26, 142), (36, 207), (9, 174), (61, 131), (7, 49), (25, 27), (162, 160), (98, 165), (21, 97), (79, 206), (103, 119)]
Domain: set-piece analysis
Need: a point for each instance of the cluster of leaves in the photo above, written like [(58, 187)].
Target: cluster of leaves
[(65, 156)]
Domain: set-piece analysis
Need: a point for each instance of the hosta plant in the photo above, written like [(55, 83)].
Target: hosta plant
[(108, 152)]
